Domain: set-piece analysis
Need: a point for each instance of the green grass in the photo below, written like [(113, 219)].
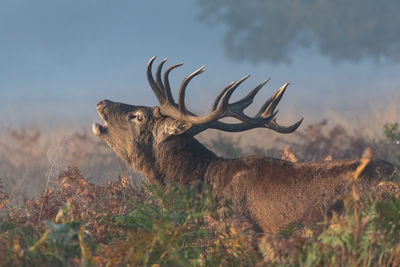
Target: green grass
[(167, 226), (77, 223), (179, 226)]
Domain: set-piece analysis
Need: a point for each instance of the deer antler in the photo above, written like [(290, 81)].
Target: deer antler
[(221, 108)]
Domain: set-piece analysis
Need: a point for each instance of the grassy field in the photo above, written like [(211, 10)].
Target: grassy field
[(66, 199)]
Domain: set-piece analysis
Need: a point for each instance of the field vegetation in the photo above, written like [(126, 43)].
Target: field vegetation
[(66, 200)]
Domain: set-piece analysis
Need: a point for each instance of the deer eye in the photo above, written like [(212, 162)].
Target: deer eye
[(138, 117)]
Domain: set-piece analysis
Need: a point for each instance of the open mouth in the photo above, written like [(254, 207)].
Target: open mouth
[(99, 129)]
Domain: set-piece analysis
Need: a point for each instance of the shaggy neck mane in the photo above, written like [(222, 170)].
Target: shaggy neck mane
[(182, 159)]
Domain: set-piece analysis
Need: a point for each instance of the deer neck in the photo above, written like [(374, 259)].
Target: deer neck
[(182, 159)]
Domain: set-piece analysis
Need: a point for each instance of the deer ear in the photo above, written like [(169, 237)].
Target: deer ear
[(172, 127), (177, 127), (157, 113)]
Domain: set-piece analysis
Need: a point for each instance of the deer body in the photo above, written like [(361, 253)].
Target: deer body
[(271, 193), (159, 142)]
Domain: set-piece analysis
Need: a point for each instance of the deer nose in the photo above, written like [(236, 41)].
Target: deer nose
[(103, 103)]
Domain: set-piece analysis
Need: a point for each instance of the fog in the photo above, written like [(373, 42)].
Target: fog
[(272, 30), (58, 58)]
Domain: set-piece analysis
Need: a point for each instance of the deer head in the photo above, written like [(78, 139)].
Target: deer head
[(134, 132)]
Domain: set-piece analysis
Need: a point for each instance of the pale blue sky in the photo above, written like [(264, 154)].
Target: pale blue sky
[(58, 58)]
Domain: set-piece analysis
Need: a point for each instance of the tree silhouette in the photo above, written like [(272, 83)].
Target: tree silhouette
[(270, 30)]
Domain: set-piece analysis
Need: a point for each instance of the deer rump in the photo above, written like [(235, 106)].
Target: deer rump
[(159, 142)]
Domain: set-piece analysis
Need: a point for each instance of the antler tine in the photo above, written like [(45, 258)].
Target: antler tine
[(182, 89), (167, 88), (218, 98), (153, 84), (158, 76), (265, 118), (269, 107), (273, 125), (236, 109), (225, 98), (240, 127), (248, 99)]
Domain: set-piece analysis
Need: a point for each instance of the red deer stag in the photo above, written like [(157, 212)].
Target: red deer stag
[(271, 193)]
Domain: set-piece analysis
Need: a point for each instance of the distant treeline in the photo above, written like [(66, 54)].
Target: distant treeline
[(260, 30)]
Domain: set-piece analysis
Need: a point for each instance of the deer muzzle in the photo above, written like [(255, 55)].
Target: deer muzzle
[(99, 129)]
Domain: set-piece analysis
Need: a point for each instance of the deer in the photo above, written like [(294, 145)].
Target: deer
[(159, 142)]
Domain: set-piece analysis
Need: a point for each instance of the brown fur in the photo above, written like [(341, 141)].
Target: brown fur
[(268, 192)]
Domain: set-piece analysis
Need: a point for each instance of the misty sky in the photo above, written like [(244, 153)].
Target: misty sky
[(58, 58)]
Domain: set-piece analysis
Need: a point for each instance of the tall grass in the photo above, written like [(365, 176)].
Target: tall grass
[(79, 221), (119, 224)]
